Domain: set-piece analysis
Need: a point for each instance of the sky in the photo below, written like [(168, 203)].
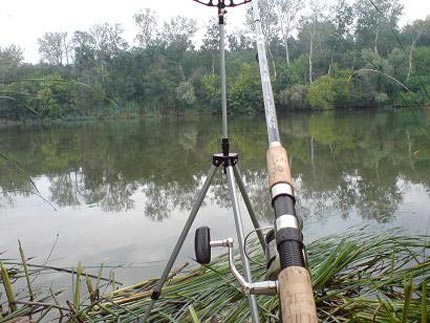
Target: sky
[(22, 22)]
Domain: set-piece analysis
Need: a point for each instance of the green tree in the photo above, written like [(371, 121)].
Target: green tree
[(55, 97), (11, 57), (85, 51), (375, 20), (210, 46), (341, 39), (244, 92), (321, 93), (287, 12), (414, 33), (146, 22), (178, 32), (54, 48), (108, 41), (295, 97)]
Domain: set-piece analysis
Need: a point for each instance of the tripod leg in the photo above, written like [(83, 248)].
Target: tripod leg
[(157, 289), (248, 205), (239, 230)]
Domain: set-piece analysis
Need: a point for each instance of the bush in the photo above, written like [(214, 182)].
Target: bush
[(295, 97), (321, 93)]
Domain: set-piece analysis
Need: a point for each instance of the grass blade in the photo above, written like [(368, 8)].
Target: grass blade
[(8, 288), (193, 314), (26, 273)]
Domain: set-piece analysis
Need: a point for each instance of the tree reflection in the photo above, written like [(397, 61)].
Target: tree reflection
[(66, 189), (342, 163)]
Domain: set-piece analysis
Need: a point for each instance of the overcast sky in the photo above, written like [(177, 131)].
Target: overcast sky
[(23, 21)]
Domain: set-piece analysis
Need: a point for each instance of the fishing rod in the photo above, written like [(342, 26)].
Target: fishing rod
[(294, 282)]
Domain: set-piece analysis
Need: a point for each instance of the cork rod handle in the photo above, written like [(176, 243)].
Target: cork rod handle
[(296, 294)]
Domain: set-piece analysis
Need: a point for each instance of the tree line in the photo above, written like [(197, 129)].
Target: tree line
[(341, 54)]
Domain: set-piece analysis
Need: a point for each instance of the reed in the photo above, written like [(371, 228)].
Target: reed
[(359, 276)]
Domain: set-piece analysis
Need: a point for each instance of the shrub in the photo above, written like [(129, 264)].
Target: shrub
[(321, 93), (295, 97)]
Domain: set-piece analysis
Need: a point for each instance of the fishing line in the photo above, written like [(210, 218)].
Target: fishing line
[(266, 228)]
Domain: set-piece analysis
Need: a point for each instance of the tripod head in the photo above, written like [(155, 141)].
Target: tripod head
[(221, 5)]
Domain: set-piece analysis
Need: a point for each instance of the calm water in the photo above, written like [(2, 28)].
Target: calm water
[(119, 193)]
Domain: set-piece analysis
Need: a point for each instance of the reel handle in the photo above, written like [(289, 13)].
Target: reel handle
[(202, 245)]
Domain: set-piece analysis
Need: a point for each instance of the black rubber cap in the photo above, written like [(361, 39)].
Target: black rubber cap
[(202, 245)]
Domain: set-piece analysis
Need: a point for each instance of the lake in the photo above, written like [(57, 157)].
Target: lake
[(118, 193)]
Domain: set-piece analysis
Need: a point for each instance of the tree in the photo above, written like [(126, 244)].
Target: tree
[(10, 57), (309, 29), (211, 41), (321, 93), (211, 37), (342, 22), (146, 23), (108, 43), (414, 32), (314, 35), (178, 31), (239, 41), (374, 19), (287, 11), (176, 35), (54, 48), (84, 50), (108, 40)]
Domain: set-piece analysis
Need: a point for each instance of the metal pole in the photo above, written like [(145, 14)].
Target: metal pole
[(248, 205), (223, 77), (240, 236), (157, 289)]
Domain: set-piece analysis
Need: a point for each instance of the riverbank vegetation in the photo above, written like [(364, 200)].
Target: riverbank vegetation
[(321, 57), (361, 275)]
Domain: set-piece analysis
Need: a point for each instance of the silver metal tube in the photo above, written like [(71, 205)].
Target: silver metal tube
[(248, 205), (223, 82), (181, 238), (268, 287), (240, 236), (269, 102)]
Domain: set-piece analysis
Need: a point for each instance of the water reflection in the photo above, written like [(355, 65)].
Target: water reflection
[(356, 163)]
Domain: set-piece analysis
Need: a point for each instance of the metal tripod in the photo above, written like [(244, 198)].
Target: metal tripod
[(229, 163)]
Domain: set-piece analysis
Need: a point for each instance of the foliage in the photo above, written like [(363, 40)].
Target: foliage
[(245, 91), (146, 22), (295, 97), (356, 53), (54, 48), (185, 93), (321, 93)]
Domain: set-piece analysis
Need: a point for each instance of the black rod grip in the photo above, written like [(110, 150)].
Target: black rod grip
[(289, 239), (291, 254)]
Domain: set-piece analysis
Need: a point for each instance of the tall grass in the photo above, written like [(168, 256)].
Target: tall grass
[(358, 276)]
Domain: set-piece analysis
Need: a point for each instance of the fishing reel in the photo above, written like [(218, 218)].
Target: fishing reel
[(203, 245)]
